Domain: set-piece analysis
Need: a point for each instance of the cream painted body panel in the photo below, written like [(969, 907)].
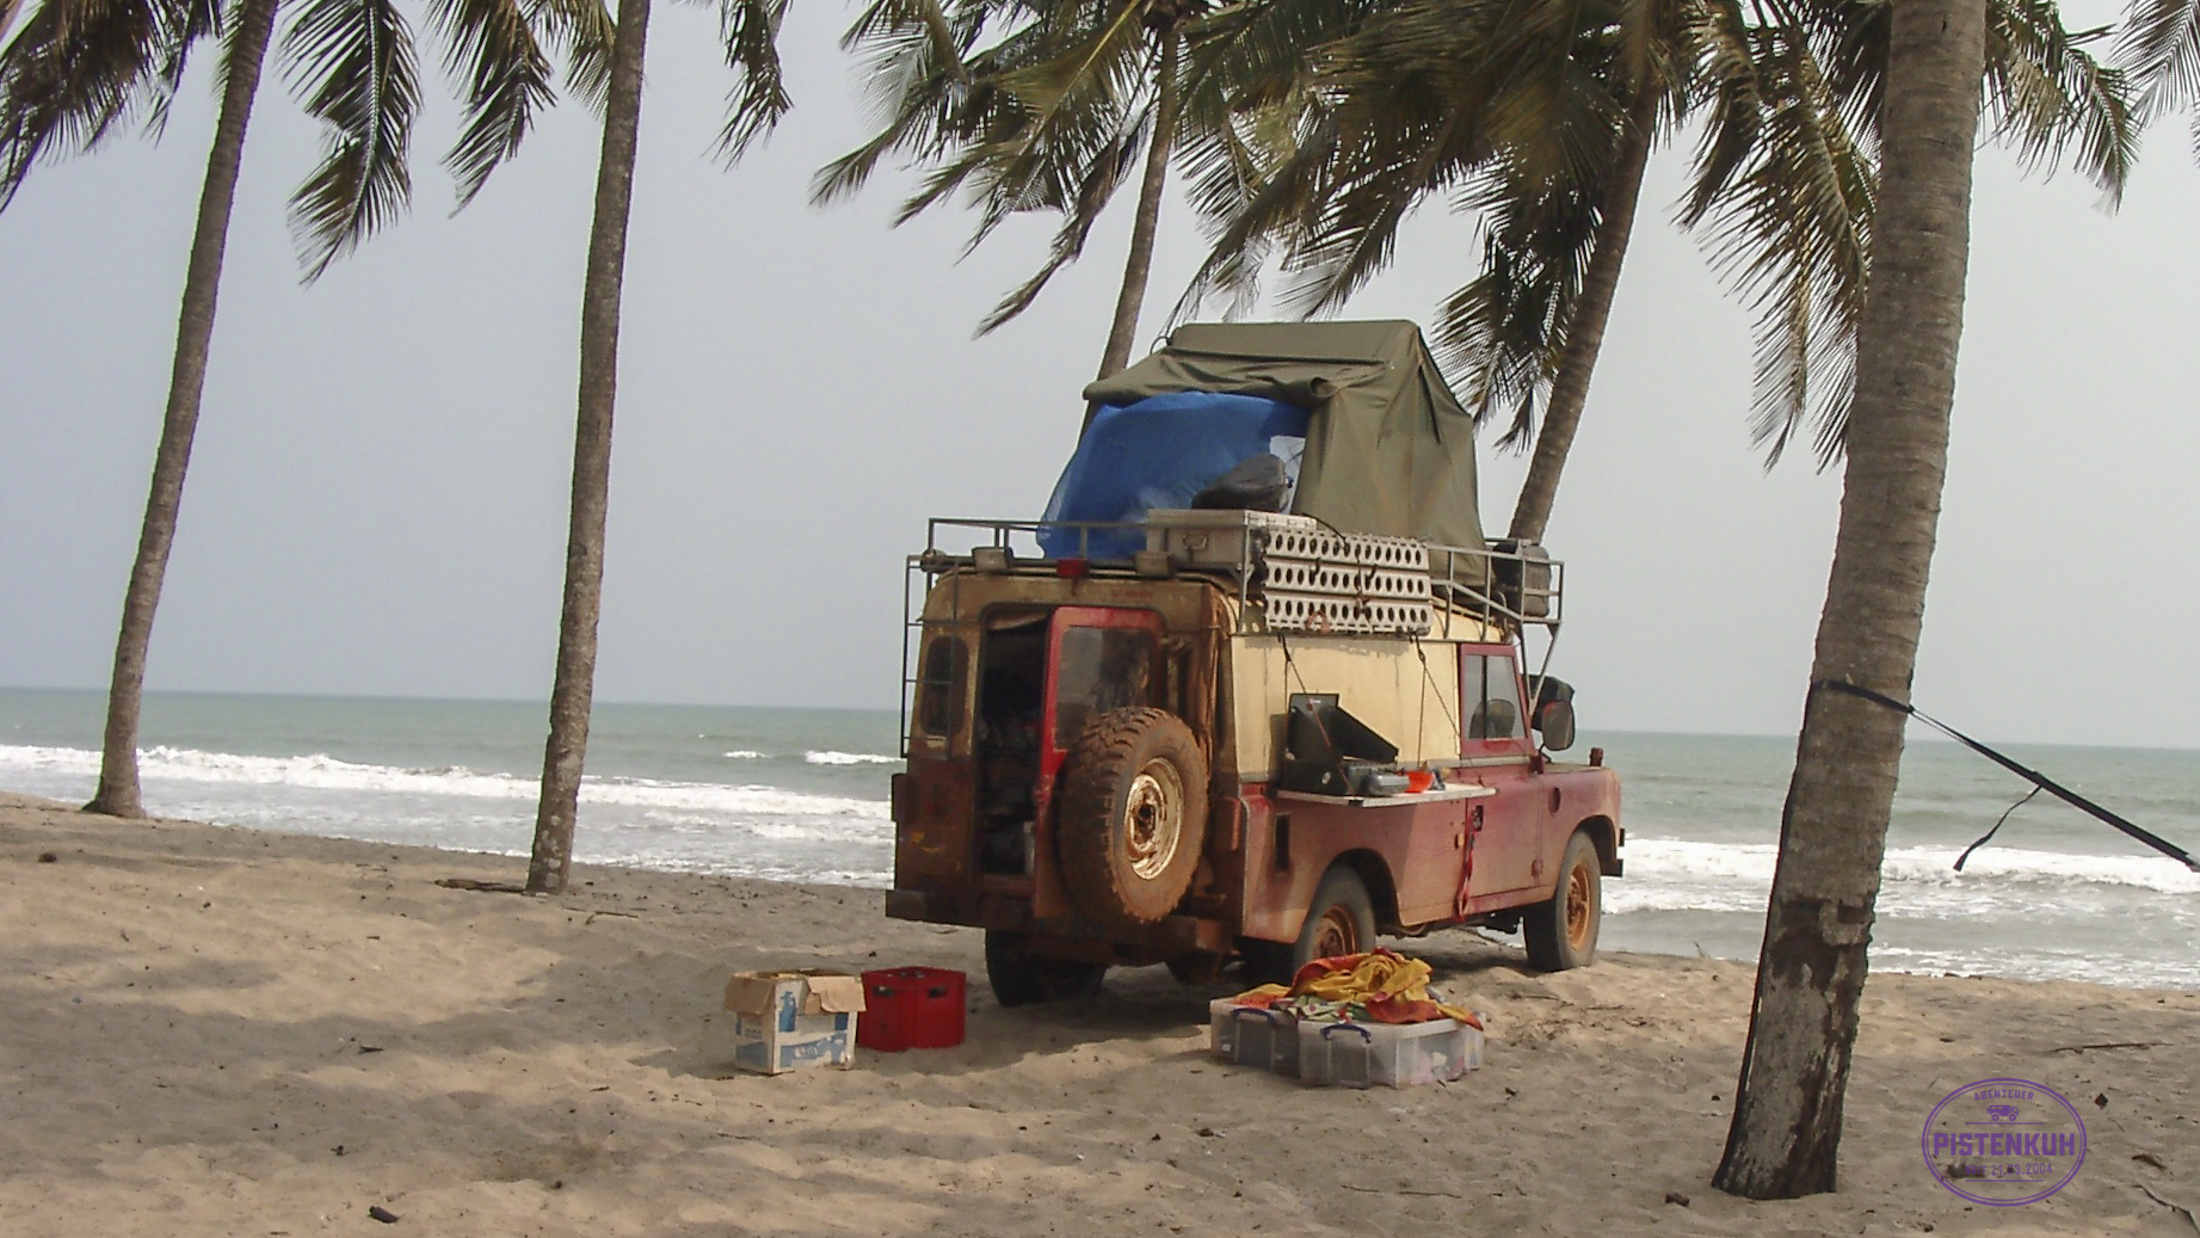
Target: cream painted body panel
[(1382, 681)]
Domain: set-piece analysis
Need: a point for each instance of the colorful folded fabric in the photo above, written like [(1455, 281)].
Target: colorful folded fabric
[(1380, 986)]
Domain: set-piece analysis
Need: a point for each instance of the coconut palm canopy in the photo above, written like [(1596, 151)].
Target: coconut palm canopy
[(77, 72), (1517, 112), (1045, 106)]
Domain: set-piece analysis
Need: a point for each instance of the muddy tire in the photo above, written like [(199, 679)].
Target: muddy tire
[(1021, 978), (1340, 920), (1133, 816), (1561, 932)]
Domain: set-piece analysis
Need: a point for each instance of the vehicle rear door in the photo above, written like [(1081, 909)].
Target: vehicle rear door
[(1099, 659)]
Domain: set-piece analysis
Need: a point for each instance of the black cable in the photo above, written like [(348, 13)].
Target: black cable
[(2039, 780), (1997, 827)]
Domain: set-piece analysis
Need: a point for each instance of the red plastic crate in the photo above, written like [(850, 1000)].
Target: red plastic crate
[(911, 1008)]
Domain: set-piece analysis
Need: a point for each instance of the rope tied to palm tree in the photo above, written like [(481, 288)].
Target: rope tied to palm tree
[(2039, 781)]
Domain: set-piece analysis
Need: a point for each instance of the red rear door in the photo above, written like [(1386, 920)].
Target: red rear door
[(1099, 659)]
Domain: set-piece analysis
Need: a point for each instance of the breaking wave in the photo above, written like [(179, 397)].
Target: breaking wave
[(1681, 875), (321, 772)]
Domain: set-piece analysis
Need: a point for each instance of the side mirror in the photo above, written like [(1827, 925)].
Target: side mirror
[(1556, 721)]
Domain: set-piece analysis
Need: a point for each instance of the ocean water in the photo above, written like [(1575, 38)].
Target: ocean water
[(801, 795)]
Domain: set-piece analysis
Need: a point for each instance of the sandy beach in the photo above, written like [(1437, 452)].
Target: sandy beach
[(210, 1030)]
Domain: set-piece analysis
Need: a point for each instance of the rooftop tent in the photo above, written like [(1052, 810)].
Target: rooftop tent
[(1160, 452), (1388, 448)]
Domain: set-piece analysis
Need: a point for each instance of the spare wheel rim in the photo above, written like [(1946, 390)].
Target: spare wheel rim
[(1154, 818), (1577, 906)]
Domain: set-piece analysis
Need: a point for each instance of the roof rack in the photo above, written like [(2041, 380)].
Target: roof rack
[(1290, 574)]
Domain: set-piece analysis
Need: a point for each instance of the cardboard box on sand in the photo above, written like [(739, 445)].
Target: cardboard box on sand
[(786, 1020)]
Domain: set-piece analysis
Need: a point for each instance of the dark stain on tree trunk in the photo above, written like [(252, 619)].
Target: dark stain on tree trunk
[(1786, 1133), (118, 768), (571, 698), (1585, 331)]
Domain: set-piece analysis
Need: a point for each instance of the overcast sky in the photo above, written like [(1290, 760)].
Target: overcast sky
[(376, 503)]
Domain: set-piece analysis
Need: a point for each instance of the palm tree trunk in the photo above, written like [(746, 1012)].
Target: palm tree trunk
[(1585, 331), (1139, 265), (118, 768), (571, 698), (1833, 832)]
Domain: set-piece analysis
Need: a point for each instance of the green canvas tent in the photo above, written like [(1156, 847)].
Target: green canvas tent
[(1388, 449)]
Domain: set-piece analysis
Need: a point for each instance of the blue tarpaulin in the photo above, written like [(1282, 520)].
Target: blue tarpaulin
[(1158, 453)]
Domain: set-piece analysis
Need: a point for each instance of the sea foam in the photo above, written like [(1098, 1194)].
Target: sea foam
[(322, 772)]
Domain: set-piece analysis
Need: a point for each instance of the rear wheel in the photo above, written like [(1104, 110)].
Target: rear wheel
[(1134, 816), (1340, 920), (1561, 932), (1021, 978)]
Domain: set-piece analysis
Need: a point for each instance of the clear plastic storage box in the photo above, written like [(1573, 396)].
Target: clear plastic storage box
[(1253, 1036), (1387, 1055)]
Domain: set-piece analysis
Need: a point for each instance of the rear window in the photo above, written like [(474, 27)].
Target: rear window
[(939, 686), (1101, 669)]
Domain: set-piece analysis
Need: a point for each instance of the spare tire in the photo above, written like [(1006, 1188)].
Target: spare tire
[(1133, 816)]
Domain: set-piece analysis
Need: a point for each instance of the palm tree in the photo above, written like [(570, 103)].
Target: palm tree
[(79, 70), (1787, 1110), (1540, 117), (76, 72), (751, 30), (1051, 115)]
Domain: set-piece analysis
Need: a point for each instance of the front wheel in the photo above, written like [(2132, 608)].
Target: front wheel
[(1561, 932), (1021, 978)]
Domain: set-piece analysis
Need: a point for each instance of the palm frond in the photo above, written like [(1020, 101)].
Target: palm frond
[(849, 173), (1102, 178), (1098, 69), (202, 19), (582, 32), (1253, 196), (750, 32), (355, 65), (2160, 47), (2050, 96), (75, 72), (490, 46), (1729, 90), (919, 87), (888, 19), (1259, 135), (1790, 230)]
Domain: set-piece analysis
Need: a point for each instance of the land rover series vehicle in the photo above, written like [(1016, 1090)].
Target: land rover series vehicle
[(1188, 732)]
